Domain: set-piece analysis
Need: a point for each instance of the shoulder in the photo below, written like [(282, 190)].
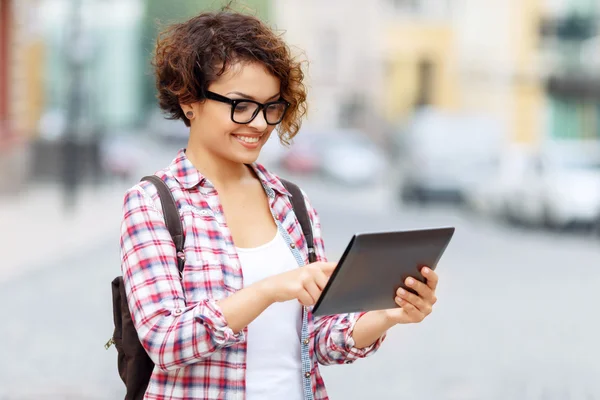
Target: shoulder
[(146, 193)]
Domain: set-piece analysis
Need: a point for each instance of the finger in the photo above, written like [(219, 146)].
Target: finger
[(419, 303), (327, 267), (321, 279), (411, 311), (422, 289), (431, 277), (305, 298), (313, 290)]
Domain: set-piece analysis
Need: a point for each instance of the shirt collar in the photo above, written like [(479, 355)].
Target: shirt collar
[(184, 171), (269, 181), (189, 177)]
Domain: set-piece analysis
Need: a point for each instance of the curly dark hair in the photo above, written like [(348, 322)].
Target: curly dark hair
[(189, 56)]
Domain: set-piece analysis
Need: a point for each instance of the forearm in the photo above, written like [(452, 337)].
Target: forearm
[(242, 307), (370, 327)]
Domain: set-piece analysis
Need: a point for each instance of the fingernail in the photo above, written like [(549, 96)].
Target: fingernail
[(410, 281), (399, 300), (426, 270), (401, 292)]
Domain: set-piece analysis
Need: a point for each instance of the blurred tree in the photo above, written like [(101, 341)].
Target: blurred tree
[(160, 13)]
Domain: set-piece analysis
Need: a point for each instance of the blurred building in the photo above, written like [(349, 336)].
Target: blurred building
[(97, 42), (477, 57), (570, 32), (419, 56), (21, 94), (5, 31), (384, 59), (342, 42), (499, 63)]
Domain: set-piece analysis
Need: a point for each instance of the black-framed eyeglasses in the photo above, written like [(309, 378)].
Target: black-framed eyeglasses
[(243, 111)]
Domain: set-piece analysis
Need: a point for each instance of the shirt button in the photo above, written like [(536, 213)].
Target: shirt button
[(306, 341), (307, 375), (292, 245), (178, 311)]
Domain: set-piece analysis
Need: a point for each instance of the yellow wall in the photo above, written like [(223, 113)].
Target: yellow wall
[(26, 97), (28, 89), (407, 45), (514, 96), (528, 92)]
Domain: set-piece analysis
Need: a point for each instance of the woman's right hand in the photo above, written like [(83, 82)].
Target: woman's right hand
[(303, 283)]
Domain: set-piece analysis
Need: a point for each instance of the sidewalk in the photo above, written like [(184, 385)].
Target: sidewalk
[(37, 232)]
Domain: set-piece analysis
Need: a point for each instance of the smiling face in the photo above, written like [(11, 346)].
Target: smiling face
[(212, 126)]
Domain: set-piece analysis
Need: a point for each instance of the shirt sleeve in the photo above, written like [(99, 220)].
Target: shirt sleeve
[(333, 333), (173, 333)]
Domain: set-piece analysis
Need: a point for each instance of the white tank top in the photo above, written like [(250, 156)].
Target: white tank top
[(274, 365)]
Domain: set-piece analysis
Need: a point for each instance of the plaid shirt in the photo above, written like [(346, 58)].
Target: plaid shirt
[(178, 320)]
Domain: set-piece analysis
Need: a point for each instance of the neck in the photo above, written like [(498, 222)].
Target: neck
[(219, 171)]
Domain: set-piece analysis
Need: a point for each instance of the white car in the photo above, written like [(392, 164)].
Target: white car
[(445, 154), (349, 157), (491, 196), (561, 187)]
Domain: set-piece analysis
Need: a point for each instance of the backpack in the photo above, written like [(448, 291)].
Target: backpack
[(134, 365)]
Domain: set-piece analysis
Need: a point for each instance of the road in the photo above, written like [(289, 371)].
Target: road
[(516, 318)]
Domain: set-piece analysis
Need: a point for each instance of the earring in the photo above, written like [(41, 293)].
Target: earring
[(189, 114)]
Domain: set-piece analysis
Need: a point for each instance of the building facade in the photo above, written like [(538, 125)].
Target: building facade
[(468, 55), (342, 42), (21, 88), (570, 33)]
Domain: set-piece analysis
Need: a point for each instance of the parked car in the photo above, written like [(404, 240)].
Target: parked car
[(302, 156), (345, 156), (445, 154), (489, 197), (349, 157), (560, 187)]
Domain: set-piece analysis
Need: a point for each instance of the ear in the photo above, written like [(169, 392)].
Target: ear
[(191, 111), (188, 111)]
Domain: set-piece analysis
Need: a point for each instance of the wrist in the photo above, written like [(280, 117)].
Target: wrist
[(265, 291), (386, 320)]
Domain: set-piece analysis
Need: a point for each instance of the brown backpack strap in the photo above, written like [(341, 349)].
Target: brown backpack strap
[(171, 216), (301, 212)]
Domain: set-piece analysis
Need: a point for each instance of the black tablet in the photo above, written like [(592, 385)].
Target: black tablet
[(375, 265)]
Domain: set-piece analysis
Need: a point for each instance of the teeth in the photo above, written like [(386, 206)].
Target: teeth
[(248, 139)]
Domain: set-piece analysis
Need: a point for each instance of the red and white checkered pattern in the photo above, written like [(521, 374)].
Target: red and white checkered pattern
[(178, 320)]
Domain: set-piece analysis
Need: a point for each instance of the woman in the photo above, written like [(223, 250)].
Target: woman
[(237, 324)]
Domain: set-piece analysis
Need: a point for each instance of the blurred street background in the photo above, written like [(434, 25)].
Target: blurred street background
[(484, 115)]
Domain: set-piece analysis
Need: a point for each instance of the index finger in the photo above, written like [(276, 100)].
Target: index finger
[(328, 267), (431, 278)]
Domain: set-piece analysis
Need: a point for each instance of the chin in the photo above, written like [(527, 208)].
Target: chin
[(248, 158), (246, 154)]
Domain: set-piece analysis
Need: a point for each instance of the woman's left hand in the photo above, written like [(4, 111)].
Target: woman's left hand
[(415, 308)]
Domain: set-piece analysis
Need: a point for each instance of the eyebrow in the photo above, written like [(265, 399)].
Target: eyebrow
[(247, 96)]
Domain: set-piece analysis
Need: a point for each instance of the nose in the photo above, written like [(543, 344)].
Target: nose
[(259, 122)]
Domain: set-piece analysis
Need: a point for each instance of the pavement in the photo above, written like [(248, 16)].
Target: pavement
[(37, 230), (516, 317)]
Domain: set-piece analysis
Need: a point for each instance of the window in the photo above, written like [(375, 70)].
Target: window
[(406, 6), (422, 8)]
